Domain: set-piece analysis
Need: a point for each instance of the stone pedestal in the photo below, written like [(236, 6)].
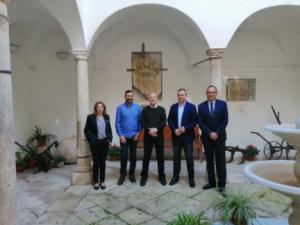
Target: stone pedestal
[(82, 173), (7, 151), (294, 218), (215, 68)]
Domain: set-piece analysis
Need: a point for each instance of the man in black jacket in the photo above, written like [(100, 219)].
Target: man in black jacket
[(182, 119), (213, 119), (153, 121)]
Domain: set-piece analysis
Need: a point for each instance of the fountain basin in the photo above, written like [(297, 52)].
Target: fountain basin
[(277, 175), (282, 176)]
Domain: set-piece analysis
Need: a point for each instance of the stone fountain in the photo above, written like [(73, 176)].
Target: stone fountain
[(281, 175)]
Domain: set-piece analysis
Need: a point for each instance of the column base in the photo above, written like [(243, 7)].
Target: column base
[(82, 178), (294, 217)]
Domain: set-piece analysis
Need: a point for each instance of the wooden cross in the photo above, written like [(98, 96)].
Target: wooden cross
[(143, 55)]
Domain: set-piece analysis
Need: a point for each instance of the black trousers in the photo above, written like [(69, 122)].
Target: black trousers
[(158, 142), (215, 150), (131, 145), (99, 151), (187, 146)]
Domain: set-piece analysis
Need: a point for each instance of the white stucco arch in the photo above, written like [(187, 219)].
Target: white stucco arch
[(216, 20), (117, 15), (68, 15), (259, 9)]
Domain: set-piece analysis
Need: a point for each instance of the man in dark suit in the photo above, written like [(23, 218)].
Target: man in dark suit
[(213, 119), (182, 119)]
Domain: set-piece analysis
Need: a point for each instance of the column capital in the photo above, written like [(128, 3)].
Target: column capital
[(215, 53), (80, 54), (5, 1)]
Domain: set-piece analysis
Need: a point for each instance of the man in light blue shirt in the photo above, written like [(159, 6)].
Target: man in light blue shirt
[(128, 127)]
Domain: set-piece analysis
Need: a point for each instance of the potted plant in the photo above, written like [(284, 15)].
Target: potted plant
[(31, 161), (236, 207), (114, 153), (59, 161), (190, 219), (42, 159), (39, 137), (20, 163), (251, 152)]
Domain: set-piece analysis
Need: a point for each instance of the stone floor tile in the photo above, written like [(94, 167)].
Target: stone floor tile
[(73, 220), (64, 205), (54, 218), (91, 215), (162, 203), (111, 221), (80, 190), (85, 203), (41, 209), (134, 216), (153, 221)]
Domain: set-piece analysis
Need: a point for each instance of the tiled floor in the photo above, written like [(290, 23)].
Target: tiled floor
[(49, 198)]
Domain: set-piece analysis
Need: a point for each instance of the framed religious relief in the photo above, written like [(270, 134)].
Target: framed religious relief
[(146, 74), (240, 89)]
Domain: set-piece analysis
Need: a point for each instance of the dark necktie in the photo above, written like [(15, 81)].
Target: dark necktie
[(211, 108)]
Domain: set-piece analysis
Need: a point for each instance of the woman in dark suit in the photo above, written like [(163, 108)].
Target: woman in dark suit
[(99, 135)]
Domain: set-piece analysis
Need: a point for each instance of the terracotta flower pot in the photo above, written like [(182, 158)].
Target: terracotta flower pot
[(113, 158), (250, 158), (19, 168), (31, 163)]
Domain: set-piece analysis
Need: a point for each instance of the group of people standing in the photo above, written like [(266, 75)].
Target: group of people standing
[(212, 118)]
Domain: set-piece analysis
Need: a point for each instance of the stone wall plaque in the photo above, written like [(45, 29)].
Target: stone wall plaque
[(146, 74), (240, 89)]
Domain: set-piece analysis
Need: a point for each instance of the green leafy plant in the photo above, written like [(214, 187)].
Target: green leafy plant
[(39, 137), (114, 152), (59, 160), (237, 207), (190, 219), (20, 159), (251, 150)]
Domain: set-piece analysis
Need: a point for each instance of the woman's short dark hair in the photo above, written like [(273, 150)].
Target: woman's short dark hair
[(98, 103)]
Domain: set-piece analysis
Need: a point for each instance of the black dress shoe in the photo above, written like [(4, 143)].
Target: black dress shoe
[(143, 181), (132, 178), (192, 183), (163, 181), (96, 186), (174, 181), (222, 190), (102, 186), (208, 186), (121, 180)]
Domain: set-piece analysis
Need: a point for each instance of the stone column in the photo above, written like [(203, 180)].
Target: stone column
[(82, 173), (215, 68), (7, 151)]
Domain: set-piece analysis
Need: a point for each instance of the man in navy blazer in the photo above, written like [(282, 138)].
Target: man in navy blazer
[(213, 119), (182, 119)]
